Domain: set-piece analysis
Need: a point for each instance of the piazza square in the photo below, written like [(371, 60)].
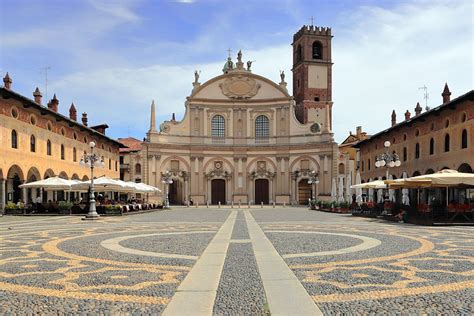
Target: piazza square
[(194, 157)]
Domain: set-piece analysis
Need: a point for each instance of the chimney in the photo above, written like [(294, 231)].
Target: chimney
[(407, 115), (418, 109), (394, 118), (84, 119), (173, 118), (446, 93), (73, 112), (359, 130), (7, 82), (53, 104), (100, 128), (37, 94)]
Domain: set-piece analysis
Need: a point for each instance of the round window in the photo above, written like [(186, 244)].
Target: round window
[(315, 128), (32, 120), (14, 112), (50, 126)]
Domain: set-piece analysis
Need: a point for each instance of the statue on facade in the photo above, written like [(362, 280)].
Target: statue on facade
[(239, 56), (282, 76), (196, 76), (249, 64)]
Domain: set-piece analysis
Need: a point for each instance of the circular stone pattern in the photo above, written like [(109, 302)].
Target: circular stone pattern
[(324, 244)]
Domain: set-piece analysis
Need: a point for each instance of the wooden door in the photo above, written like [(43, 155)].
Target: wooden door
[(304, 192), (218, 191), (261, 191)]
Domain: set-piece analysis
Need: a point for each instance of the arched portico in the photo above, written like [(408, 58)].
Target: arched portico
[(15, 177), (31, 194)]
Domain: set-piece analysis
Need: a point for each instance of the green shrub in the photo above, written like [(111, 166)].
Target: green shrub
[(65, 206), (12, 206)]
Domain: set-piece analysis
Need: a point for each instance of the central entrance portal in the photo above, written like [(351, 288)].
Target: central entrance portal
[(175, 193), (218, 191), (261, 191), (304, 192)]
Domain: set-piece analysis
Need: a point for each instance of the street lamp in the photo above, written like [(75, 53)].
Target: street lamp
[(387, 159), (92, 160), (313, 180), (166, 178)]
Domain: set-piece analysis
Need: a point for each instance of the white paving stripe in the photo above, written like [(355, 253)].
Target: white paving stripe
[(285, 293), (197, 293)]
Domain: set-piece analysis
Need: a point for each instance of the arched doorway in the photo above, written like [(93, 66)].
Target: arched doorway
[(218, 191), (14, 179), (429, 171), (304, 191), (262, 191), (32, 176), (466, 168), (176, 192)]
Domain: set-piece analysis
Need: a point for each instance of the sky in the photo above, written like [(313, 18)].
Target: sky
[(112, 58)]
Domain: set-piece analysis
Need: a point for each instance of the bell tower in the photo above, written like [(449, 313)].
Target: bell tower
[(312, 76)]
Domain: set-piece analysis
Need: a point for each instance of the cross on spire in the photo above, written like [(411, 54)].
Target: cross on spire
[(312, 20), (229, 51)]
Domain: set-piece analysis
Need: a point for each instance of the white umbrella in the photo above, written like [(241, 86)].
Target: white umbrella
[(377, 184), (371, 193), (51, 184), (405, 196), (380, 193), (104, 183), (340, 193), (391, 193), (128, 187), (348, 188), (358, 190), (333, 190)]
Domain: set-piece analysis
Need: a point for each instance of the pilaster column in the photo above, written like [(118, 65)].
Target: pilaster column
[(251, 190), (271, 190), (2, 195), (24, 194)]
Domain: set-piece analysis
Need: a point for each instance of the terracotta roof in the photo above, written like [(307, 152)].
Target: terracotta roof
[(132, 144)]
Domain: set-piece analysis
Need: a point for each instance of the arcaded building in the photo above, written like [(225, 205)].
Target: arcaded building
[(426, 142), (38, 142), (246, 139)]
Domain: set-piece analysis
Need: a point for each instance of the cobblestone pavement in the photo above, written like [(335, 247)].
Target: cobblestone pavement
[(135, 264)]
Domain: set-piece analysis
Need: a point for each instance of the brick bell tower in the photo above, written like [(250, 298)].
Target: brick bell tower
[(312, 76)]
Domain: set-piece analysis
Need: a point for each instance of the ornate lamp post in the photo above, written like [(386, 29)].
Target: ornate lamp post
[(387, 159), (313, 180), (166, 178), (91, 160)]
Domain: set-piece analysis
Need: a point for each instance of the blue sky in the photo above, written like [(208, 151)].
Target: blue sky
[(111, 58)]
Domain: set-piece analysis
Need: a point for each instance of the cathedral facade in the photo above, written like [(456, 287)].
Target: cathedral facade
[(246, 139)]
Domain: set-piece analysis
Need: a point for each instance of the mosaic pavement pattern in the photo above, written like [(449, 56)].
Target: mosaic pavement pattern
[(137, 264)]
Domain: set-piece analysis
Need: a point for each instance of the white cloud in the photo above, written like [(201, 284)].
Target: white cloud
[(185, 1), (381, 59)]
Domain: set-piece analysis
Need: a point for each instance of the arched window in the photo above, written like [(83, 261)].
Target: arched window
[(262, 131), (446, 143), (62, 152), (116, 165), (464, 139), (368, 164), (431, 146), (363, 166), (218, 126), (341, 168), (32, 143), (405, 154), (317, 50), (48, 148), (110, 164), (417, 151), (14, 139), (138, 168), (299, 53), (74, 154)]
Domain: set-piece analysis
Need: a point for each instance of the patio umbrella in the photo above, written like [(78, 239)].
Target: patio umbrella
[(405, 196), (333, 190), (443, 178), (340, 193), (358, 190), (391, 192), (377, 184), (348, 188), (101, 183), (51, 184)]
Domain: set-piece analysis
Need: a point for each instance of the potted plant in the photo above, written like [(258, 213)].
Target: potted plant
[(65, 207), (14, 208), (113, 209), (313, 204)]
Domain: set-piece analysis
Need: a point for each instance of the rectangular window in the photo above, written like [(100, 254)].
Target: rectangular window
[(174, 165)]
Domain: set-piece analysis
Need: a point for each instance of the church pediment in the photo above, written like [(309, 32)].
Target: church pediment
[(239, 87)]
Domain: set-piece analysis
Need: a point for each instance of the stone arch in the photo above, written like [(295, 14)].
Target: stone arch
[(63, 175), (226, 162), (15, 177), (85, 178), (254, 161), (416, 173), (429, 171), (33, 175), (49, 173), (465, 167), (15, 169), (75, 177), (293, 164), (163, 164)]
